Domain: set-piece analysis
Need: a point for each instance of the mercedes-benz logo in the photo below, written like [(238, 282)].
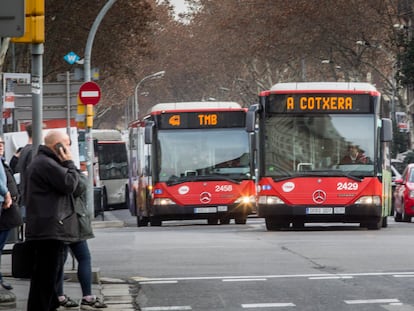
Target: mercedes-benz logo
[(319, 196), (205, 197)]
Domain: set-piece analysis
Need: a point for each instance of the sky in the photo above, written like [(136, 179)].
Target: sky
[(179, 5)]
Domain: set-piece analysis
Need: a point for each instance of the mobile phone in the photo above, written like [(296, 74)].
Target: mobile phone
[(59, 146)]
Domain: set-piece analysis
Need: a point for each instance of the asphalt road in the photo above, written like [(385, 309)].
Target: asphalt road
[(190, 265)]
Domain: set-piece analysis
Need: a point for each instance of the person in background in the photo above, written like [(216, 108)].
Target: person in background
[(15, 159), (10, 217), (354, 156), (51, 221), (25, 157), (82, 254)]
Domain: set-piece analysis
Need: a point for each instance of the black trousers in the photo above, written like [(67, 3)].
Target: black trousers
[(48, 260)]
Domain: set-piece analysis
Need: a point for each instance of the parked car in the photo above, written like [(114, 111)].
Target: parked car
[(404, 195)]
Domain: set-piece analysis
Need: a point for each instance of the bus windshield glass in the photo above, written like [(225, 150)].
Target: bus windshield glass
[(309, 144), (113, 160), (203, 153)]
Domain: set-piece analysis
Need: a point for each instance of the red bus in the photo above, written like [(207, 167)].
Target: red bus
[(304, 132), (191, 160)]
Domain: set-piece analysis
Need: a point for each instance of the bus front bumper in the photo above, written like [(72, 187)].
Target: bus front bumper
[(351, 213)]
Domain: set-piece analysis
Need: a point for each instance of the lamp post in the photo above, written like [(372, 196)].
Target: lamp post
[(153, 76)]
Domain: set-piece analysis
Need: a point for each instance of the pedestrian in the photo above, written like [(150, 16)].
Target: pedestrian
[(10, 218), (25, 157), (82, 254), (15, 159), (51, 180)]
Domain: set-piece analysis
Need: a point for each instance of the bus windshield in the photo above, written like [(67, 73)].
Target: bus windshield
[(202, 153), (331, 144), (113, 160)]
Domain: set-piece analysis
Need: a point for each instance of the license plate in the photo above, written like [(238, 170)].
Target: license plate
[(319, 210), (222, 208), (202, 210)]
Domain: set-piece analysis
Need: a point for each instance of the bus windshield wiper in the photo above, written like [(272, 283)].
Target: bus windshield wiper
[(179, 180), (333, 173)]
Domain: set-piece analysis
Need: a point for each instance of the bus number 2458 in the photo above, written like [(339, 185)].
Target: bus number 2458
[(224, 188), (347, 186)]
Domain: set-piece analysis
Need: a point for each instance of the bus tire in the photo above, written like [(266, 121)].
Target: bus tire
[(155, 222), (274, 224), (212, 221), (225, 220), (104, 200), (240, 220), (372, 224), (142, 221)]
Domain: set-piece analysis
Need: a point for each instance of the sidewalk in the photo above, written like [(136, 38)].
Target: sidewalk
[(117, 294)]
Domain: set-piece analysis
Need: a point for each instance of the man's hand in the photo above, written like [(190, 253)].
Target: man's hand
[(7, 201)]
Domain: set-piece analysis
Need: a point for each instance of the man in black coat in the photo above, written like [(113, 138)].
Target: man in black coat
[(52, 177)]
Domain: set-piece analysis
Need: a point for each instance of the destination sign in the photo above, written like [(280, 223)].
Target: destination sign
[(320, 103), (195, 120)]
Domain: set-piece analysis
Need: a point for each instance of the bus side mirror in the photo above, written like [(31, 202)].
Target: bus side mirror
[(251, 118), (148, 132), (386, 130)]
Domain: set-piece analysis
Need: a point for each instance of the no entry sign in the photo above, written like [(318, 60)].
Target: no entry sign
[(89, 93)]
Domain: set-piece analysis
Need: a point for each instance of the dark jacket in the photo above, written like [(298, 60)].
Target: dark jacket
[(84, 217), (11, 217), (49, 187)]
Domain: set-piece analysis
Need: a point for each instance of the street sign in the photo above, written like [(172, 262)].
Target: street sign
[(89, 93), (71, 58), (12, 18)]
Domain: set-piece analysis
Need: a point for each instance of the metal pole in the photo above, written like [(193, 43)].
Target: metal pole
[(68, 103), (155, 75), (88, 132), (37, 94)]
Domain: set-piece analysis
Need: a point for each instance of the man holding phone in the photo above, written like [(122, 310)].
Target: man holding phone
[(51, 221)]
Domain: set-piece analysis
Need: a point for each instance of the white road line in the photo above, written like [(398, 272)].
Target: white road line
[(243, 280), (159, 282), (176, 308), (267, 305), (330, 277), (276, 276), (365, 301), (404, 276)]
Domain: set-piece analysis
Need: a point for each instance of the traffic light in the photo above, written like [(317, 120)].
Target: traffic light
[(34, 23)]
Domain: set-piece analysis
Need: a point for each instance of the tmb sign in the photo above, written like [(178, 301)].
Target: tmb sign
[(89, 93)]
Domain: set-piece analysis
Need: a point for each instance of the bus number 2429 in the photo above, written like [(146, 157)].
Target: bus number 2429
[(347, 186)]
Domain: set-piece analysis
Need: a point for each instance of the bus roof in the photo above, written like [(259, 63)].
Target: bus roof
[(107, 135), (324, 86), (195, 105)]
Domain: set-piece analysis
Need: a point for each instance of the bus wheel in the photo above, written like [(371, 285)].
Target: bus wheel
[(155, 222), (142, 221), (273, 224), (104, 200), (372, 224), (224, 220), (212, 221), (240, 220)]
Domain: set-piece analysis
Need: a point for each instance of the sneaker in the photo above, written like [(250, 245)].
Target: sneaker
[(94, 304), (68, 303)]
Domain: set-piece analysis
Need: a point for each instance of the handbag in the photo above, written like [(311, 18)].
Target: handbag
[(22, 260)]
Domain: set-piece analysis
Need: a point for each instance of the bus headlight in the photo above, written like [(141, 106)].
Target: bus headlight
[(270, 200), (163, 201), (245, 200), (369, 200)]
